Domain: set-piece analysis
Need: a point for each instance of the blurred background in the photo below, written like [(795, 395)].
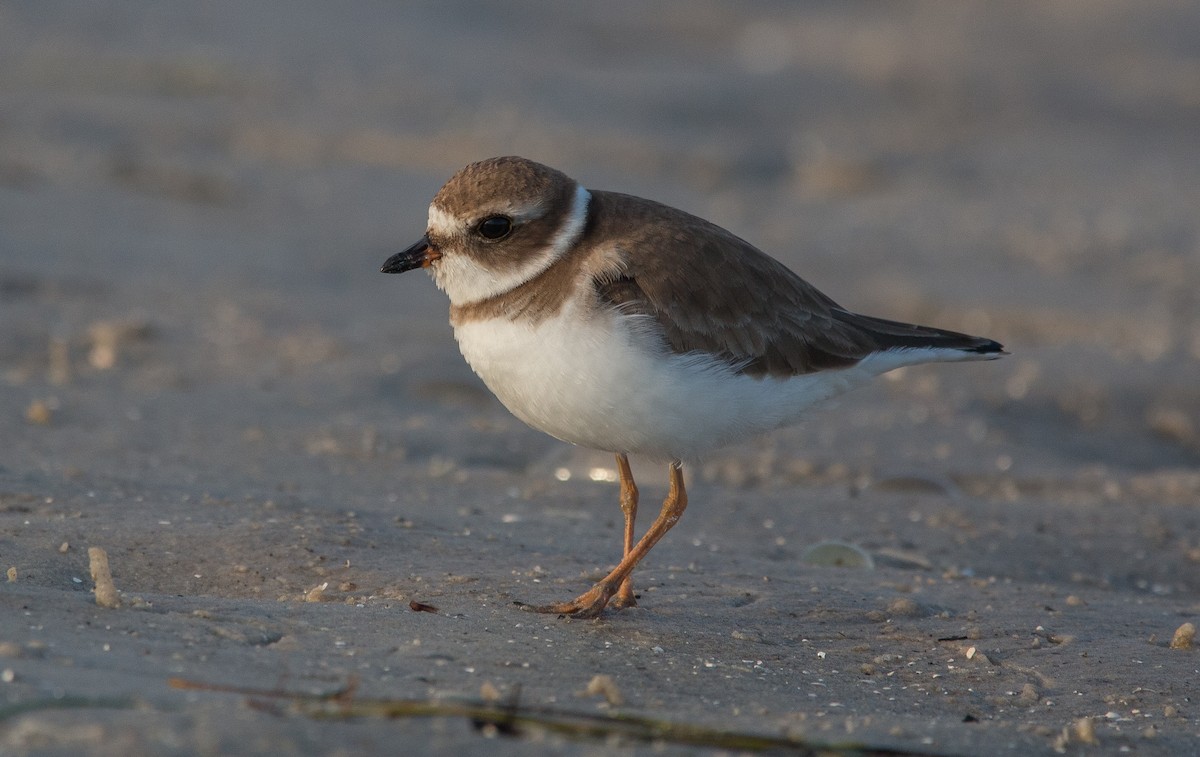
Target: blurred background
[(195, 197)]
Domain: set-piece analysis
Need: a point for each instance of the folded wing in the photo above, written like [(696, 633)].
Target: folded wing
[(713, 292)]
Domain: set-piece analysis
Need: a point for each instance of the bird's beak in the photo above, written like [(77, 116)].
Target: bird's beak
[(420, 255)]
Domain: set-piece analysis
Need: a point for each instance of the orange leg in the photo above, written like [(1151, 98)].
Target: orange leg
[(629, 504), (592, 602)]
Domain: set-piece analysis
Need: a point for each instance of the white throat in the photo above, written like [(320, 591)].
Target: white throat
[(465, 280)]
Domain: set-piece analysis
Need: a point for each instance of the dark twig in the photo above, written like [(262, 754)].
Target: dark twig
[(512, 718)]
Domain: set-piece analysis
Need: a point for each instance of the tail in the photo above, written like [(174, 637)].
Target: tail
[(909, 344)]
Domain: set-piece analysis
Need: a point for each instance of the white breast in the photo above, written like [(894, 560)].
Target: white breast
[(601, 380)]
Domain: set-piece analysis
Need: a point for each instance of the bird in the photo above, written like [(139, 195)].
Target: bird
[(622, 324)]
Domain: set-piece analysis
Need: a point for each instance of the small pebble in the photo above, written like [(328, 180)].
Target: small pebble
[(1185, 637), (316, 593), (1061, 740), (488, 692), (903, 607), (64, 548), (1029, 694), (106, 591), (837, 554), (1173, 424), (1085, 731), (12, 575), (38, 413), (607, 687)]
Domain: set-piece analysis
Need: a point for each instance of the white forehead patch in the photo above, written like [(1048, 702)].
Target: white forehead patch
[(442, 223)]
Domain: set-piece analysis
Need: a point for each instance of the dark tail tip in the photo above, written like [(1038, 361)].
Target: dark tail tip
[(987, 347)]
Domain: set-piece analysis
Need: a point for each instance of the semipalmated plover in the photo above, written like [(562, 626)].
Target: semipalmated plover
[(621, 324)]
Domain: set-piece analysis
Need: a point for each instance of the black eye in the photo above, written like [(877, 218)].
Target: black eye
[(495, 227)]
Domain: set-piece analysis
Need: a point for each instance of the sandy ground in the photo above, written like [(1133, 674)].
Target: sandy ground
[(280, 449)]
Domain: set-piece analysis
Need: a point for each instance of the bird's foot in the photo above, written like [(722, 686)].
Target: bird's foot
[(587, 605), (625, 597)]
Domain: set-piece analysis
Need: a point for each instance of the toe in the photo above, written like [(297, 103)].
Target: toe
[(622, 601), (587, 605)]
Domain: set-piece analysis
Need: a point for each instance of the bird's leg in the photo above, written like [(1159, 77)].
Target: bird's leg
[(629, 504), (592, 602)]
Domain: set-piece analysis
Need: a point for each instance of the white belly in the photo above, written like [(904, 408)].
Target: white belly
[(598, 381)]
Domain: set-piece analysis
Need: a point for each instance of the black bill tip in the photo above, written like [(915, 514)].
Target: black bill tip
[(418, 255)]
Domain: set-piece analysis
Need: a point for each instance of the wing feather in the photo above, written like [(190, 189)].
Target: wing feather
[(710, 291)]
